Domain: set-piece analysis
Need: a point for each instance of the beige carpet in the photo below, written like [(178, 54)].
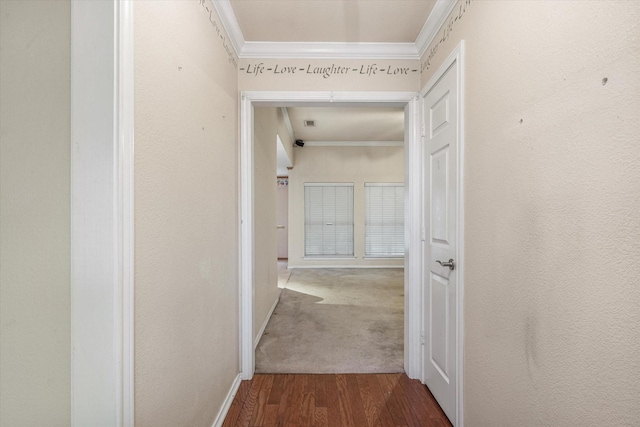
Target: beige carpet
[(336, 321)]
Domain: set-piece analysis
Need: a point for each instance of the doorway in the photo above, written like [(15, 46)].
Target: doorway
[(412, 300)]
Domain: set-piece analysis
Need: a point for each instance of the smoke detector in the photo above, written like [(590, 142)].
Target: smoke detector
[(310, 123)]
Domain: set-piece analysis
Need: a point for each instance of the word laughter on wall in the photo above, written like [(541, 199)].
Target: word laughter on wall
[(367, 70)]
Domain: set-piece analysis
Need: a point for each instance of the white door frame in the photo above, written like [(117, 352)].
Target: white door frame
[(102, 211), (412, 262), (456, 59)]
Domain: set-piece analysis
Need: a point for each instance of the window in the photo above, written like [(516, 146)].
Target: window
[(384, 223), (328, 219)]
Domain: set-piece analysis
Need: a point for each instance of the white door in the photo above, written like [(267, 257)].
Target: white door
[(441, 139)]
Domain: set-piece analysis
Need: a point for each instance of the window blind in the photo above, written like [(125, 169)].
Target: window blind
[(384, 222), (328, 211)]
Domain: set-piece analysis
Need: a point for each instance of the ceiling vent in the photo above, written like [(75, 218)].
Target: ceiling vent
[(310, 123)]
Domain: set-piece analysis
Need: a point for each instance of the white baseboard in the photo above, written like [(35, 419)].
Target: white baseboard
[(264, 325), (293, 267), (227, 402)]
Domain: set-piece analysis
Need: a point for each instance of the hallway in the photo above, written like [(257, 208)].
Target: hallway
[(334, 400)]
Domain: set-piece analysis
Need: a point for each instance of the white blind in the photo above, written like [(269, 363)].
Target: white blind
[(328, 219), (384, 223)]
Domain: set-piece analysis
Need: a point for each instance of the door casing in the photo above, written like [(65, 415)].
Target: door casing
[(413, 300)]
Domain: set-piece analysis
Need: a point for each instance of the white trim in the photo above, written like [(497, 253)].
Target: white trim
[(319, 50), (461, 237), (432, 25), (102, 213), (287, 123), (346, 266), (230, 24), (457, 57), (279, 99), (247, 358), (413, 242), (264, 324), (125, 90), (354, 143), (222, 414)]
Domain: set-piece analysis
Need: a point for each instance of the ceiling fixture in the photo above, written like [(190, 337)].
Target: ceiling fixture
[(310, 123)]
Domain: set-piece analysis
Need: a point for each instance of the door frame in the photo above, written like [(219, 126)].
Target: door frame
[(102, 213), (412, 261), (455, 59)]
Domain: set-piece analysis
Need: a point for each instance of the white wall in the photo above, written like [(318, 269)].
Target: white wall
[(35, 213), (552, 166), (285, 137), (186, 215), (265, 277), (283, 219), (340, 164)]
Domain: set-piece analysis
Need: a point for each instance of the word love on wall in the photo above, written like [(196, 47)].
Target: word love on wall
[(223, 39), (326, 71)]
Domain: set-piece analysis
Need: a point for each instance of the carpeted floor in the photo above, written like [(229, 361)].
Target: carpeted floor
[(336, 321)]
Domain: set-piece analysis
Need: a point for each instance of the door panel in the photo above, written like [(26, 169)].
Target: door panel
[(440, 115), (439, 348)]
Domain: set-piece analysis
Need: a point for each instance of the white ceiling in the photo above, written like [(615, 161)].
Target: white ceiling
[(350, 21), (361, 124)]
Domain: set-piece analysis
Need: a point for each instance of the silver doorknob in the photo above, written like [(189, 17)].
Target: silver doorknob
[(449, 264)]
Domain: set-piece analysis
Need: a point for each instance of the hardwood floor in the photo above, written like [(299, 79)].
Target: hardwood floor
[(333, 401)]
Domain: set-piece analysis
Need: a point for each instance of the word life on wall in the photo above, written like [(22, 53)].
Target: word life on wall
[(327, 71), (205, 4), (447, 30)]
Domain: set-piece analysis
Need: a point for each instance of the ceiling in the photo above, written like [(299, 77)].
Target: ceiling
[(347, 124), (350, 21), (390, 29)]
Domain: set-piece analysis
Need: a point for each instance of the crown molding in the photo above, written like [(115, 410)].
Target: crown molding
[(432, 25), (319, 50), (230, 24), (353, 143)]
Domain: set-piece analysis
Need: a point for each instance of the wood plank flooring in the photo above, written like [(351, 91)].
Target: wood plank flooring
[(353, 400)]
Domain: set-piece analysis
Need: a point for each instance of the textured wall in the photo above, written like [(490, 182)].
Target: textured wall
[(34, 213), (552, 225), (265, 264), (186, 215), (340, 164), (328, 74)]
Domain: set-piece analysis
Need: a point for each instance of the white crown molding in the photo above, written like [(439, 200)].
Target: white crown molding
[(354, 143), (230, 24), (432, 25), (318, 50)]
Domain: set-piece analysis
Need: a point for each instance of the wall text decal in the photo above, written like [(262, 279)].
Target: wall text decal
[(368, 70), (447, 30), (228, 49)]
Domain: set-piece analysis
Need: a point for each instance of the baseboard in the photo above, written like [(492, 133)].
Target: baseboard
[(292, 267), (227, 402), (264, 325)]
